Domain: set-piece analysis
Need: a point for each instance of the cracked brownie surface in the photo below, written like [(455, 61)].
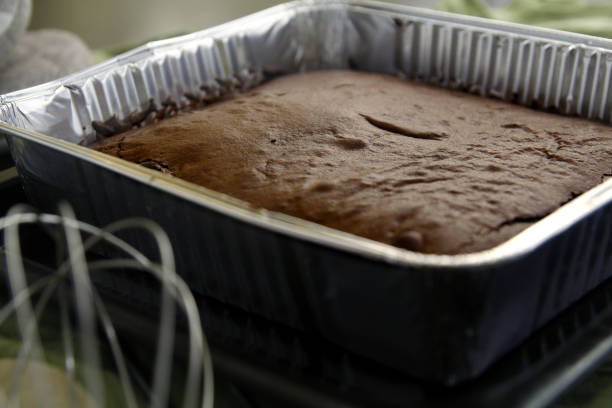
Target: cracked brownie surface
[(411, 165)]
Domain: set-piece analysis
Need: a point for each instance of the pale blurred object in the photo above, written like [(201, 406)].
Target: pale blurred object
[(31, 58), (14, 18), (59, 382), (42, 56)]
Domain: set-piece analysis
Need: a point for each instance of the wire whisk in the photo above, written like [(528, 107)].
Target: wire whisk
[(85, 325)]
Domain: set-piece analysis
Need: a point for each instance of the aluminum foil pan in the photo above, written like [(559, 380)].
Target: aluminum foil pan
[(442, 318)]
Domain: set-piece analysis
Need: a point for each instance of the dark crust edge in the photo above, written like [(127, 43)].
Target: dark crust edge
[(209, 92)]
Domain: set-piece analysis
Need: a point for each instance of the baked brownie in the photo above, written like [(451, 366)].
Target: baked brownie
[(404, 163)]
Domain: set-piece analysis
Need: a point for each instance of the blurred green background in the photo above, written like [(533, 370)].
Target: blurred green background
[(109, 23)]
